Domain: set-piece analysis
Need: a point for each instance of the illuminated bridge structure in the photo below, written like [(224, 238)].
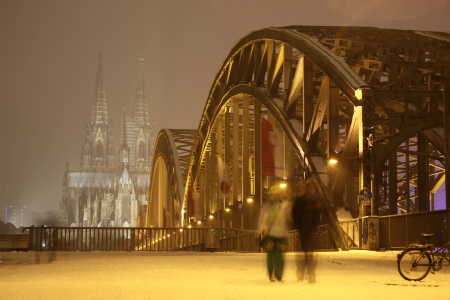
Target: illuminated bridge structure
[(372, 99)]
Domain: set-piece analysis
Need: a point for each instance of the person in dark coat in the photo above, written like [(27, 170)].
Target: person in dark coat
[(306, 218)]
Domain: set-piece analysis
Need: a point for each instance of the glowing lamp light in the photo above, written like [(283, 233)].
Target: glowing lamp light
[(283, 185), (333, 161), (227, 209), (249, 199), (358, 94), (199, 222), (211, 216)]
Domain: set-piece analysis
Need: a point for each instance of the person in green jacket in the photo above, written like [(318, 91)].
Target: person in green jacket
[(273, 225)]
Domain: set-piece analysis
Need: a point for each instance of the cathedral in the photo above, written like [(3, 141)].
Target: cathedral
[(110, 188)]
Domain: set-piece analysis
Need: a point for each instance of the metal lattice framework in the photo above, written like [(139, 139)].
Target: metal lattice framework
[(170, 166), (371, 98)]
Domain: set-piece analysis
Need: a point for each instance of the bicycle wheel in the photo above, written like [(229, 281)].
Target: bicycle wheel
[(414, 264)]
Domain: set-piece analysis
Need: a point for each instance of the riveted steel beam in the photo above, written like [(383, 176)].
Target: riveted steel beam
[(389, 83)]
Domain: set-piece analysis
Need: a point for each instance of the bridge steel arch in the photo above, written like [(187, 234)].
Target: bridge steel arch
[(168, 176), (371, 98)]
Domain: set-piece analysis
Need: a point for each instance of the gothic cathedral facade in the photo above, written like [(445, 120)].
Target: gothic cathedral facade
[(105, 191)]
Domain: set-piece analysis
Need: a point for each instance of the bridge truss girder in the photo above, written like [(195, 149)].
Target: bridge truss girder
[(361, 95), (170, 165)]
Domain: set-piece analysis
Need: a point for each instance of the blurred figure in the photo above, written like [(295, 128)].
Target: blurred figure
[(52, 222), (273, 225), (306, 218), (49, 235)]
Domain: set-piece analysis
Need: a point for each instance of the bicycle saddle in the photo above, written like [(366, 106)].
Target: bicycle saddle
[(427, 235)]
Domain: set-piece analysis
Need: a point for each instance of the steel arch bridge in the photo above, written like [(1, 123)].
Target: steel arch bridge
[(372, 99)]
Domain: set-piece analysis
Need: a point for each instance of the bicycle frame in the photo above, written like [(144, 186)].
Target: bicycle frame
[(421, 258), (438, 255)]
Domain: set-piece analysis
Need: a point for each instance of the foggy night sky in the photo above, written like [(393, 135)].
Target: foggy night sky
[(49, 57)]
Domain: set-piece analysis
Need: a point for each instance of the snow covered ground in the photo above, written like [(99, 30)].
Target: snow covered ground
[(204, 275)]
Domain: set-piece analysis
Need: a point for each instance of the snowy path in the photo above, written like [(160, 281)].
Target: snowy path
[(194, 275)]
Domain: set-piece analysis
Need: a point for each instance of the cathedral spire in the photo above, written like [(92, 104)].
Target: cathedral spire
[(140, 103), (124, 129), (98, 149), (99, 113), (124, 150)]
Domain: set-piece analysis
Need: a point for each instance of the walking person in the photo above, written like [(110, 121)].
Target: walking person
[(273, 225), (306, 218), (52, 222), (47, 231)]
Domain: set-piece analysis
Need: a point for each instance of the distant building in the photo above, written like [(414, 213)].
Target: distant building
[(3, 213), (16, 214), (106, 191)]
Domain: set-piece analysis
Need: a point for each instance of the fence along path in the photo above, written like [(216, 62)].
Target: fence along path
[(140, 239), (395, 232)]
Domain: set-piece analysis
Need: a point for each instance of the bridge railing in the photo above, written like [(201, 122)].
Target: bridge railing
[(394, 231), (140, 239), (323, 238)]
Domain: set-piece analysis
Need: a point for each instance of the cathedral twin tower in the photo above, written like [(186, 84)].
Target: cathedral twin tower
[(105, 191)]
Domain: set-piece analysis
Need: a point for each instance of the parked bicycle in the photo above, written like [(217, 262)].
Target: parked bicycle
[(416, 261)]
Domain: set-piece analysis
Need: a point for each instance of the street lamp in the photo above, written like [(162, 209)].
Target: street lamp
[(250, 201), (332, 161)]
